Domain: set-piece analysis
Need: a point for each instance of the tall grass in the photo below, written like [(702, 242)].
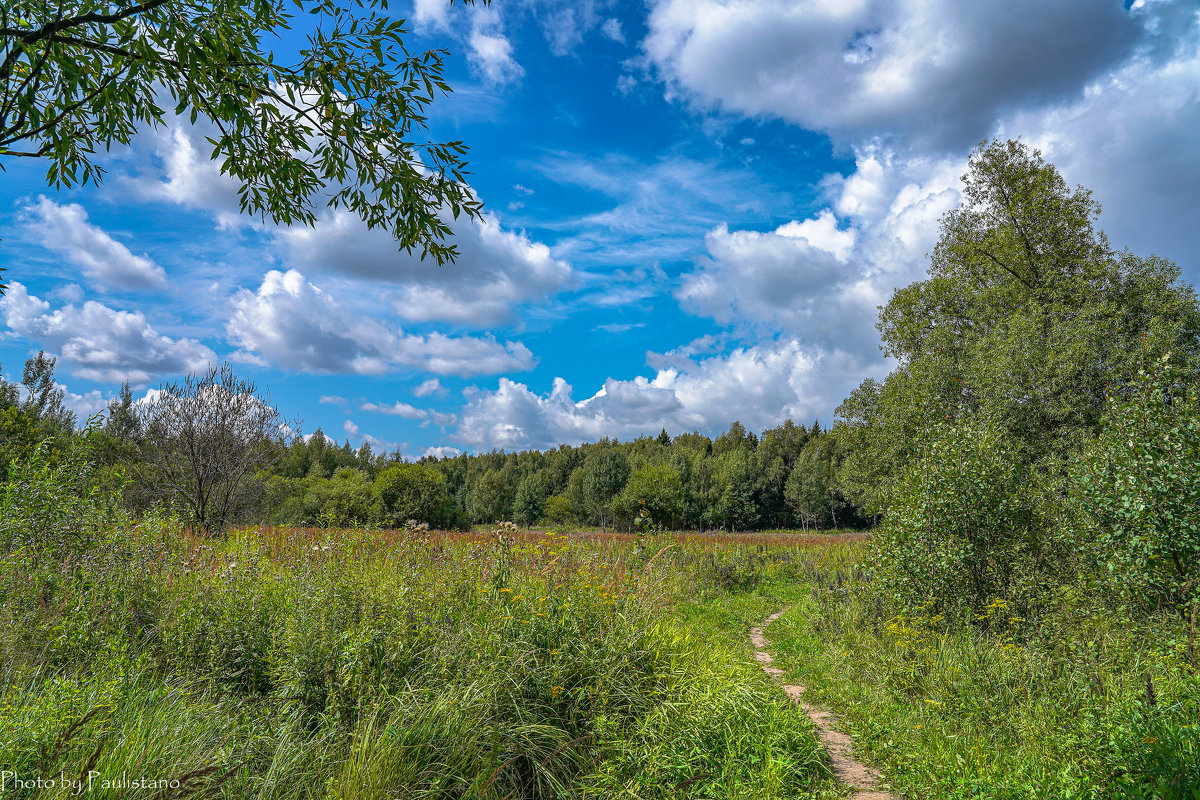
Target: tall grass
[(298, 663), (1088, 701)]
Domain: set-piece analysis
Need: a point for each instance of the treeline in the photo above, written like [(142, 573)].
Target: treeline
[(784, 477), (166, 455)]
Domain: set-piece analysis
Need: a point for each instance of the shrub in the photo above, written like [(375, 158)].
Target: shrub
[(1137, 492), (964, 526)]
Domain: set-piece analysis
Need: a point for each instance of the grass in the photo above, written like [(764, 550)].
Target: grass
[(1057, 709), (305, 663), (309, 663)]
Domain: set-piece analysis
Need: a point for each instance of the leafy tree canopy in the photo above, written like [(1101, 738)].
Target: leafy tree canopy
[(342, 123), (1027, 315)]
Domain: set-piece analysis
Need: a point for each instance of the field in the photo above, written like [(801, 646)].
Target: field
[(359, 663)]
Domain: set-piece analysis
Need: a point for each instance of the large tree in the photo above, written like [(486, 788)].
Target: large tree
[(342, 123), (1026, 317)]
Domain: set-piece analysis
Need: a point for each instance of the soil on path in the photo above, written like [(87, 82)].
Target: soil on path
[(855, 774)]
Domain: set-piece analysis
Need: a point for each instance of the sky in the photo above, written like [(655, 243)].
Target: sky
[(693, 210)]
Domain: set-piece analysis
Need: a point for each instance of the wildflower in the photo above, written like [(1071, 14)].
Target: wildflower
[(555, 691), (507, 590)]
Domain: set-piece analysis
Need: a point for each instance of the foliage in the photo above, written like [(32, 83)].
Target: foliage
[(54, 504), (654, 488), (342, 123), (1026, 316), (413, 492), (1138, 491), (602, 477), (963, 527), (530, 501)]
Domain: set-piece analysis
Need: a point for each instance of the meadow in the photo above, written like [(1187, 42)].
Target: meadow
[(280, 662), (366, 663)]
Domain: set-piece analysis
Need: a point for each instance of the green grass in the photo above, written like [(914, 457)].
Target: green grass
[(1057, 709), (285, 663)]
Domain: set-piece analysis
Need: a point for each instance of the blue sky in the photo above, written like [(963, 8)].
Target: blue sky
[(694, 208)]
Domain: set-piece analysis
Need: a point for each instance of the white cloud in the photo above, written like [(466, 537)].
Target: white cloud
[(432, 14), (100, 343), (619, 327), (108, 264), (935, 71), (491, 53), (762, 385), (430, 386), (292, 324), (612, 29), (396, 409), (496, 270), (441, 452), (333, 400)]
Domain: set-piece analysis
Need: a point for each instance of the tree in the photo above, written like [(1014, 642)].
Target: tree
[(530, 501), (655, 488), (342, 123), (1026, 316), (811, 489), (413, 492), (121, 421), (205, 437), (491, 500), (45, 398), (603, 475), (1137, 493)]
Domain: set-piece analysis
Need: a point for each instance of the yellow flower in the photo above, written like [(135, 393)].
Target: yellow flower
[(555, 691), (507, 590)]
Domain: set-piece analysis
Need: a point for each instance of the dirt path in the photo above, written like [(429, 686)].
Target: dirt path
[(855, 774)]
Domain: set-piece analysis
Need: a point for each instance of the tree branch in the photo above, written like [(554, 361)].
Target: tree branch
[(51, 28)]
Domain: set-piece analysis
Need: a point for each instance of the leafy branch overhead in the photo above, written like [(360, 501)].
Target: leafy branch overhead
[(343, 126)]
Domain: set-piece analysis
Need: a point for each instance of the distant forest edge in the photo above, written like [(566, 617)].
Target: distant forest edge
[(783, 478)]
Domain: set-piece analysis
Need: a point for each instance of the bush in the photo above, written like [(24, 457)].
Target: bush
[(1137, 493), (964, 527), (56, 502)]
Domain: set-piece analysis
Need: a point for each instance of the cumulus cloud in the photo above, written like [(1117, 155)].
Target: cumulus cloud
[(108, 264), (821, 279), (293, 324), (430, 386), (101, 343), (763, 385), (497, 268), (937, 72)]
